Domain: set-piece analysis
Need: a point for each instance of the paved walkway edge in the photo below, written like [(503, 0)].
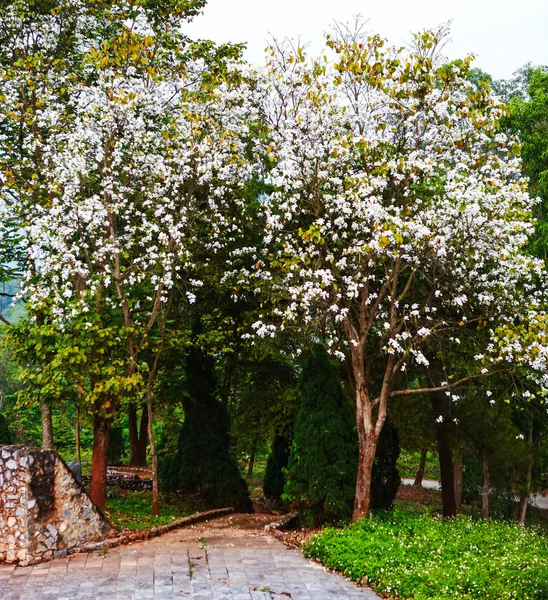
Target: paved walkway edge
[(139, 536), (285, 522)]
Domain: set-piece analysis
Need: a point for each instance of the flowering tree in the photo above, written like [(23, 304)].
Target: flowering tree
[(143, 163), (138, 171), (397, 221)]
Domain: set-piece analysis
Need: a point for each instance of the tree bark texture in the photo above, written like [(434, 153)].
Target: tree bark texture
[(101, 434), (369, 429), (133, 435), (522, 510), (47, 426), (362, 501), (439, 408), (138, 437), (422, 465), (143, 437)]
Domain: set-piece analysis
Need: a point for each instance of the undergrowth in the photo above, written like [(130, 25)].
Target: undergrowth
[(409, 554)]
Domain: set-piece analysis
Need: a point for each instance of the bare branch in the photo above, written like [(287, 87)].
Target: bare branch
[(440, 388)]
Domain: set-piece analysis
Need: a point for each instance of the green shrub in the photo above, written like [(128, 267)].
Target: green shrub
[(321, 474), (413, 555)]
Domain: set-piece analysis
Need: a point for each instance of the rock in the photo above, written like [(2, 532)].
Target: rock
[(44, 512), (285, 522), (54, 533), (76, 470)]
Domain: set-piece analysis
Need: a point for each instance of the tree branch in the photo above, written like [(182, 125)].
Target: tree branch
[(440, 388)]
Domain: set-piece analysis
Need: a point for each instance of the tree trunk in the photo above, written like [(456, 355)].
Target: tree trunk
[(138, 438), (485, 490), (47, 426), (457, 480), (153, 455), (143, 437), (439, 408), (368, 426), (133, 436), (362, 500), (422, 465), (251, 459), (522, 510), (524, 499), (101, 434), (78, 443)]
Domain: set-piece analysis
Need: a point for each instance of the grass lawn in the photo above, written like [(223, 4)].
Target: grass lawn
[(133, 511), (412, 554)]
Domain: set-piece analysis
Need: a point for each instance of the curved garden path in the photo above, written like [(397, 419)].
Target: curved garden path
[(230, 558)]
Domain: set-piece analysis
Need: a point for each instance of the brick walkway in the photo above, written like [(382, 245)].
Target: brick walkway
[(223, 560)]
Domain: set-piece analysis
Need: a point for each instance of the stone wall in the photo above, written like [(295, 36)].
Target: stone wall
[(134, 483), (44, 513)]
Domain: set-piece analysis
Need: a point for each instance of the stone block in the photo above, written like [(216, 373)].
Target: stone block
[(44, 512)]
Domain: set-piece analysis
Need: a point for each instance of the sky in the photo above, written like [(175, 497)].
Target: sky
[(503, 34)]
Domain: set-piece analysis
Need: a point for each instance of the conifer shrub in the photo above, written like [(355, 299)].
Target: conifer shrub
[(321, 474), (203, 463), (274, 475), (385, 478)]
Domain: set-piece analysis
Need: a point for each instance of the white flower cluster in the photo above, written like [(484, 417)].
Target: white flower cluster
[(399, 212), (141, 164)]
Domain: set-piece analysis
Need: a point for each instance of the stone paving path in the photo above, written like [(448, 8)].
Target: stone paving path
[(228, 559)]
